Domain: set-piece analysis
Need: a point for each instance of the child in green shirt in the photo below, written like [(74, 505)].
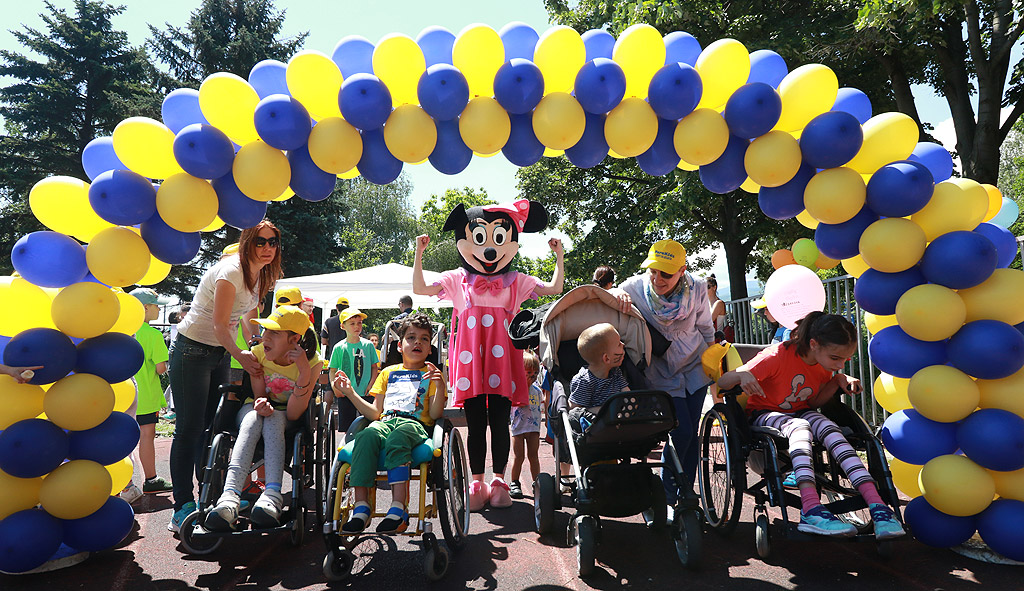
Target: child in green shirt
[(151, 394)]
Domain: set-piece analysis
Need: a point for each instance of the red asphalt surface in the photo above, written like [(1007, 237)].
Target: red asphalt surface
[(504, 553)]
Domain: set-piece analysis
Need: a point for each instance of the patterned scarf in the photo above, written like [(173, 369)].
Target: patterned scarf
[(668, 307)]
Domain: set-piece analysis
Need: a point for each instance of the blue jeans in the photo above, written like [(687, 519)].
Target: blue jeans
[(684, 437), (195, 371)]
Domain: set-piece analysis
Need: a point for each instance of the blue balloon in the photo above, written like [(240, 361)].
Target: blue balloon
[(768, 67), (443, 92), (1004, 241), (787, 200), (309, 181), (752, 110), (899, 354), (935, 528), (936, 158), (1007, 215), (436, 43), (727, 173), (987, 349), (993, 438), (600, 85), (32, 448), (49, 259), (377, 165), (680, 47), (900, 188), (854, 102), (842, 241), (365, 101), (28, 539), (109, 442), (523, 148), (269, 77), (123, 197), (203, 151), (878, 292), (3, 344), (451, 155), (661, 158), (42, 346), (98, 157), (519, 40), (592, 147), (518, 86), (959, 260), (102, 529), (181, 109), (282, 122), (1001, 526), (831, 139), (675, 91), (167, 244), (234, 207), (598, 43), (353, 55), (911, 437), (113, 356)]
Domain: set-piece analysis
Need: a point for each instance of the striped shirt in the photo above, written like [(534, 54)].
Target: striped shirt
[(589, 391)]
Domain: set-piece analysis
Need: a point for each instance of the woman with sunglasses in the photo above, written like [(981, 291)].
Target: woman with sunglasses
[(229, 292), (675, 303)]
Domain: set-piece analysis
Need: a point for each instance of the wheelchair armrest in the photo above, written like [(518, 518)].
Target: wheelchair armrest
[(357, 425), (438, 434), (232, 388)]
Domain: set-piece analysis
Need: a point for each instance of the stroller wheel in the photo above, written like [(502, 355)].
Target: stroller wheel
[(688, 536), (586, 544), (544, 494)]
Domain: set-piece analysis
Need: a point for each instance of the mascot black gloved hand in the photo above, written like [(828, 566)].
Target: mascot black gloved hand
[(486, 372)]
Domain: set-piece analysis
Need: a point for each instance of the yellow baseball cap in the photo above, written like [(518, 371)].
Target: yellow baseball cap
[(287, 318), (342, 301), (758, 304), (288, 296), (665, 255), (349, 313)]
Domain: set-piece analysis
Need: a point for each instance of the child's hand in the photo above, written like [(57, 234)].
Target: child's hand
[(750, 385), (432, 372), (262, 407), (848, 384), (297, 355), (342, 384), (421, 242), (555, 245)]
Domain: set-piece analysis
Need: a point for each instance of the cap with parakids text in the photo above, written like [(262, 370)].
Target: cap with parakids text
[(288, 318)]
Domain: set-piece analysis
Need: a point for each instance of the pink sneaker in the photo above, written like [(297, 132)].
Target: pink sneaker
[(500, 497), (479, 492)]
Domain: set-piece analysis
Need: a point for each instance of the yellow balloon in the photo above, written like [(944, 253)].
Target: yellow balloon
[(410, 134), (61, 203), (855, 266), (875, 323), (560, 54), (186, 203), (631, 127), (1009, 485), (807, 220), (551, 153), (640, 51), (559, 120), (701, 137), (995, 201), (835, 195), (229, 103), (956, 486), (998, 298), (118, 257), (750, 186), (146, 146), (132, 314), (213, 226), (288, 193), (84, 310), (315, 81), (887, 137), (478, 52), (19, 493), (1004, 393), (484, 125), (349, 174), (335, 146), (684, 165), (949, 210), (891, 392), (261, 171), (773, 159), (399, 63), (79, 401), (905, 476), (23, 306), (943, 393), (18, 402), (806, 92), (930, 312), (723, 66), (120, 474), (891, 245), (124, 394), (975, 197), (75, 489)]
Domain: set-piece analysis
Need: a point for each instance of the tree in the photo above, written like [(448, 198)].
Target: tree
[(380, 223), (1011, 176)]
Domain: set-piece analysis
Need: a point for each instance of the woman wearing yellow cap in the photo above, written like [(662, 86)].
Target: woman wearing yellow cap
[(676, 304)]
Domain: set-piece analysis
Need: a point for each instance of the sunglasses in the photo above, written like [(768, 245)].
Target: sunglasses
[(663, 274), (272, 242)]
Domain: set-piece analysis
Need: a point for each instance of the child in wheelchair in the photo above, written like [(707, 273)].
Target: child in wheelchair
[(603, 350), (408, 398), (787, 382)]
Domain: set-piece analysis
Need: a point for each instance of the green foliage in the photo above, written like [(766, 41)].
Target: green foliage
[(379, 223), (1011, 176)]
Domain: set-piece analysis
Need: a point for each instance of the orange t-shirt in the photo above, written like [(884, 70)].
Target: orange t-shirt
[(788, 382)]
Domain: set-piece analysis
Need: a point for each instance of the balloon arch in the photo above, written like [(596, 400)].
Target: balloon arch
[(930, 251)]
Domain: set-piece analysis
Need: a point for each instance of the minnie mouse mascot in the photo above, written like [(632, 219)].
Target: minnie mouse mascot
[(486, 371)]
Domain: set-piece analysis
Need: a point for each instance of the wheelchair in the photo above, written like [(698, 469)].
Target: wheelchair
[(438, 345), (305, 457), (440, 469), (729, 444)]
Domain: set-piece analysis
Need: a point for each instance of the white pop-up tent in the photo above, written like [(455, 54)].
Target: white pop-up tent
[(367, 289)]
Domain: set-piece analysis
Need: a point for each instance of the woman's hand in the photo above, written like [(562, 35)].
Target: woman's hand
[(250, 364), (625, 302), (262, 407), (20, 374)]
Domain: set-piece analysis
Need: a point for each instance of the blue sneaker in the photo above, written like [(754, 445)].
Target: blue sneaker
[(790, 481), (820, 521), (179, 516), (886, 525)]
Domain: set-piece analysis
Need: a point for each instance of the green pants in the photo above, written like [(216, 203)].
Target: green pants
[(396, 436)]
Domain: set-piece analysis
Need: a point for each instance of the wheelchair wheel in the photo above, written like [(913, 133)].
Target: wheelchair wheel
[(298, 530), (435, 559), (688, 537), (586, 544), (194, 545), (545, 496), (452, 488), (762, 535), (719, 470), (215, 471), (337, 565)]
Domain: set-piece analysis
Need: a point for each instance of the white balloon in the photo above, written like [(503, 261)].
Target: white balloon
[(792, 292), (1007, 213)]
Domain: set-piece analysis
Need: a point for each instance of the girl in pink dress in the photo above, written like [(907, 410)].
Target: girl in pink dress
[(486, 372)]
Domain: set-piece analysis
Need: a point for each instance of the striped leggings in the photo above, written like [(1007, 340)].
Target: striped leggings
[(799, 428)]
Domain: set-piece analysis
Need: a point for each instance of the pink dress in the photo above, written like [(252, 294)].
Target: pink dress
[(481, 358)]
